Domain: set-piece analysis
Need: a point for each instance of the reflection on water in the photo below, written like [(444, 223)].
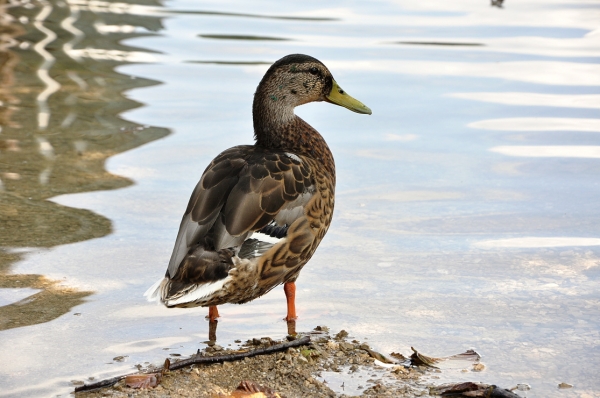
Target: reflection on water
[(231, 62), (60, 122), (440, 43), (242, 37), (259, 16), (466, 208)]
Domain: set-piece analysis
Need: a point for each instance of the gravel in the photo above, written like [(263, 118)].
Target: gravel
[(328, 367)]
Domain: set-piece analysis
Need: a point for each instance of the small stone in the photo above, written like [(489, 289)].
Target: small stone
[(478, 367), (346, 346), (522, 387), (564, 385), (341, 335), (332, 345)]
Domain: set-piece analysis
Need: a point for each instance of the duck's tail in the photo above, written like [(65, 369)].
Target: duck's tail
[(154, 293)]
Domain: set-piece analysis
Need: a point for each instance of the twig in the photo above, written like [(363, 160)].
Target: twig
[(198, 359), (101, 384)]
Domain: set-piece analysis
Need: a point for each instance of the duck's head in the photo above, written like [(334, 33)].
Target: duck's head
[(295, 80)]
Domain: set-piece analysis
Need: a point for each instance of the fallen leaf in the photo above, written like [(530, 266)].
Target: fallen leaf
[(379, 356), (399, 356), (473, 390), (250, 389), (466, 359), (143, 380)]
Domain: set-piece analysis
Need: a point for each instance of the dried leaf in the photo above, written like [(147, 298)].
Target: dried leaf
[(243, 394), (420, 359), (250, 389), (379, 356), (473, 390), (464, 360), (399, 356), (143, 380)]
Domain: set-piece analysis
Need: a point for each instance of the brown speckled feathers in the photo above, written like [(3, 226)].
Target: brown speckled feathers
[(259, 211)]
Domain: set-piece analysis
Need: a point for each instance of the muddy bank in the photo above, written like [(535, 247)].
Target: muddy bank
[(329, 366)]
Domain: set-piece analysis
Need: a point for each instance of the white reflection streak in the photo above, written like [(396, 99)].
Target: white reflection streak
[(51, 85), (533, 242), (539, 124), (539, 72), (535, 99), (97, 6), (114, 55), (67, 24), (550, 151)]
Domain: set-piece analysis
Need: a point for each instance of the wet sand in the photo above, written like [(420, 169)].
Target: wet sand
[(330, 366)]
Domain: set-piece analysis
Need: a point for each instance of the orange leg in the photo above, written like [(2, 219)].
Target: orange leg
[(290, 294), (213, 313)]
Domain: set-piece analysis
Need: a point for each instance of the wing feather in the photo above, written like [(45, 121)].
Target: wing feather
[(243, 190)]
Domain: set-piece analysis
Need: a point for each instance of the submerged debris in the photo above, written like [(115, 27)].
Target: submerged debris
[(473, 390)]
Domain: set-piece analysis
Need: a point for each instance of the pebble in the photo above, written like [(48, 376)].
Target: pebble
[(478, 367)]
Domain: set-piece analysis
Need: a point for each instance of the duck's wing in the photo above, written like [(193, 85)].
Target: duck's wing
[(244, 190)]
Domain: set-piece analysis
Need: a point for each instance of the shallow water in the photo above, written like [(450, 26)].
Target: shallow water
[(466, 215)]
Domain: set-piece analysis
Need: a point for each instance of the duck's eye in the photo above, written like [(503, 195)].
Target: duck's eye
[(313, 71)]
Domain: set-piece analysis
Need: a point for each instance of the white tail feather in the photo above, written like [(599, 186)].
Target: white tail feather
[(199, 292), (154, 292)]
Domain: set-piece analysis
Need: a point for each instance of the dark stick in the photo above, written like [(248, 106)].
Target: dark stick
[(197, 359), (101, 384)]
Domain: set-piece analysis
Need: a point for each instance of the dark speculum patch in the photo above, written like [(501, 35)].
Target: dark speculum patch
[(274, 230)]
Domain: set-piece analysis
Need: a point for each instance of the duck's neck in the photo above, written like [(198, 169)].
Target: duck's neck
[(277, 127)]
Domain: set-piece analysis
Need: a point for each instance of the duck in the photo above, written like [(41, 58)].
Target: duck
[(259, 212)]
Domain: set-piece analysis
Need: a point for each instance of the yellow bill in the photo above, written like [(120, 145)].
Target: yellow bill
[(339, 97)]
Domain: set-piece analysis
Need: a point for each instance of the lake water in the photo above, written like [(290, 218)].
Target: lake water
[(467, 211)]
